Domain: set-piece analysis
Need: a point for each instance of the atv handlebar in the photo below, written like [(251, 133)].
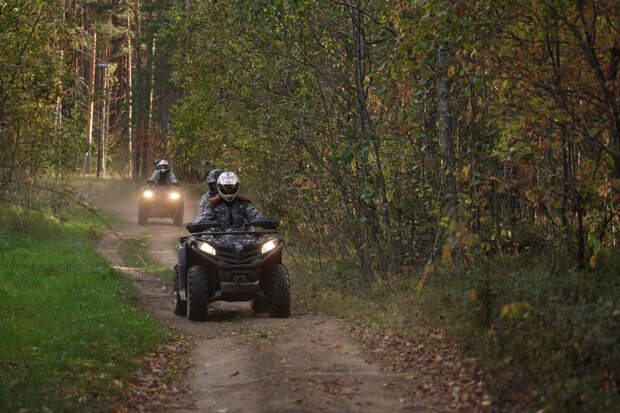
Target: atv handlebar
[(267, 223), (195, 227)]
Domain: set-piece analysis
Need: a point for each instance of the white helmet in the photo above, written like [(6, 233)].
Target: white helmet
[(163, 166), (228, 186)]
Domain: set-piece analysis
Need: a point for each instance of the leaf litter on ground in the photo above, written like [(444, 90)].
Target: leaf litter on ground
[(432, 363)]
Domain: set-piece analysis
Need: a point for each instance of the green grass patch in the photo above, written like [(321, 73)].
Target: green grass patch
[(134, 252), (339, 290), (70, 339), (548, 340)]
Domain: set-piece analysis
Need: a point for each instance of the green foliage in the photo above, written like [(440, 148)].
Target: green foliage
[(547, 340), (551, 337), (331, 112), (69, 335), (33, 70)]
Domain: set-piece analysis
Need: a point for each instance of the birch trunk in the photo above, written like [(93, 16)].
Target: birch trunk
[(150, 148), (132, 173), (91, 103)]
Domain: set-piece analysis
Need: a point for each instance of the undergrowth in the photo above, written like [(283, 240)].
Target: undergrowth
[(548, 340), (134, 252), (70, 338)]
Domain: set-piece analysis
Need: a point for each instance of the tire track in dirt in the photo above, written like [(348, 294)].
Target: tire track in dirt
[(248, 363)]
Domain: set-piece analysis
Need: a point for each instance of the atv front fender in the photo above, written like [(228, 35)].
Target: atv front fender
[(182, 253)]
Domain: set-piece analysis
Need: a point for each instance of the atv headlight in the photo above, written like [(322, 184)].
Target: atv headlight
[(268, 246), (148, 194), (206, 247), (175, 195)]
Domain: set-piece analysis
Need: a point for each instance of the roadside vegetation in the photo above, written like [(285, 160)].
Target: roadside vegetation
[(134, 252), (546, 340), (70, 338)]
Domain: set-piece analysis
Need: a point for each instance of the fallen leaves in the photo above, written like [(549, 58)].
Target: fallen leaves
[(432, 365), (153, 389)]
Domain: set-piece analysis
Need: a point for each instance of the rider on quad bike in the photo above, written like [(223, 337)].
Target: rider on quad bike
[(160, 198), (225, 258), (162, 175), (212, 177), (228, 208)]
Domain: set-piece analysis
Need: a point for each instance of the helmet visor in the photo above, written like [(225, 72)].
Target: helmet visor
[(229, 189)]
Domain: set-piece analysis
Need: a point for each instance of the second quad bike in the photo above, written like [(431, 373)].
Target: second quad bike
[(161, 201), (231, 265)]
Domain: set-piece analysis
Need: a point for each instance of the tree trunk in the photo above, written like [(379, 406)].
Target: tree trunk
[(151, 89), (103, 126), (138, 146), (107, 120), (444, 125), (132, 173), (91, 103), (447, 148)]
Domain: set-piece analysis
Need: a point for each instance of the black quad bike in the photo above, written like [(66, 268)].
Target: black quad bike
[(161, 201), (231, 265)]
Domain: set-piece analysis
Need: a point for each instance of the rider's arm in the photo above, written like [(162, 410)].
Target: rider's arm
[(172, 179), (202, 207), (155, 177), (251, 213)]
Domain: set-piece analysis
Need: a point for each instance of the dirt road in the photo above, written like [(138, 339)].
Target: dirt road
[(247, 363)]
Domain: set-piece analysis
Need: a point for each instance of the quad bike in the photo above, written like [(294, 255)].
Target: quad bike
[(231, 265), (160, 201)]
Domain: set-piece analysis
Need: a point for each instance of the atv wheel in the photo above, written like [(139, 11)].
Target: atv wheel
[(180, 306), (280, 292), (142, 219), (178, 216), (197, 293)]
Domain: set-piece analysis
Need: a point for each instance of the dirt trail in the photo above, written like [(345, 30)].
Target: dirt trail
[(247, 363)]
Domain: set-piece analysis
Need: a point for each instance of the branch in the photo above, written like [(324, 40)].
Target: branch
[(68, 195), (19, 61), (367, 14)]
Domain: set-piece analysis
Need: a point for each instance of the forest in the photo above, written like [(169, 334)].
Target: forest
[(435, 144), (405, 133)]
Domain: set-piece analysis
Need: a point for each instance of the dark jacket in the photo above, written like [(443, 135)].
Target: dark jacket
[(204, 204), (163, 179), (235, 214)]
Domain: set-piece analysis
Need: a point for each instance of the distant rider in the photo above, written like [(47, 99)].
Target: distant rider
[(228, 208), (204, 201), (162, 175)]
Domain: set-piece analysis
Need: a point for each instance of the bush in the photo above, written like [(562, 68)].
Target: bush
[(551, 338), (547, 340)]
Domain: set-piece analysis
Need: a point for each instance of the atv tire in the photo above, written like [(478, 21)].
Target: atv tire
[(180, 306), (197, 293), (259, 305), (279, 292)]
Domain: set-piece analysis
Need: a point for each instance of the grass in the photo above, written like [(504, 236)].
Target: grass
[(134, 254), (260, 336), (549, 341), (336, 289), (70, 338)]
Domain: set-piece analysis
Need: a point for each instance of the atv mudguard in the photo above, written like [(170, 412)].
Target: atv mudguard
[(182, 267)]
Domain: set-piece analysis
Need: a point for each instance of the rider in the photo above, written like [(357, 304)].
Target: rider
[(162, 175), (228, 208), (204, 201)]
